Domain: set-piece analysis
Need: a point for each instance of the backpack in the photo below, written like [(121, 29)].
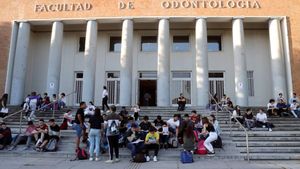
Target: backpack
[(52, 145), (200, 145), (186, 157), (173, 142), (139, 158), (81, 154), (113, 129), (218, 143)]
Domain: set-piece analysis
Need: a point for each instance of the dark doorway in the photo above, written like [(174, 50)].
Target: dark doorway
[(147, 95)]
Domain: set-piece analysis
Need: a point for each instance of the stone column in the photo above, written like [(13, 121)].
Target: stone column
[(55, 52), (20, 64), (202, 63), (240, 66), (11, 58), (90, 55), (126, 63), (163, 65), (277, 60)]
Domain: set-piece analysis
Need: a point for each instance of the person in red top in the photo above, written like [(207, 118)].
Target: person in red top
[(25, 136), (41, 133), (5, 136), (194, 116)]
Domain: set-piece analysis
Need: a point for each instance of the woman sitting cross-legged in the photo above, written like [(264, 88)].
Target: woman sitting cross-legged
[(152, 143)]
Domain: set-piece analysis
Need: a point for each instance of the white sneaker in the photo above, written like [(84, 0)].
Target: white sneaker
[(155, 159), (109, 161), (117, 160), (97, 159), (270, 129), (91, 159), (147, 158)]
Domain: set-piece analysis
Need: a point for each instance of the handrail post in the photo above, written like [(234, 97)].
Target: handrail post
[(20, 126), (247, 146), (230, 124), (53, 105)]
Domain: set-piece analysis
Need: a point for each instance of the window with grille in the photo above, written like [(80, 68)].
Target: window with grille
[(250, 82), (113, 87), (81, 44), (181, 83)]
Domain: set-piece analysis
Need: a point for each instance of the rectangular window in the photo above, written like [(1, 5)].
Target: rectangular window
[(113, 87), (148, 75), (115, 44), (149, 44), (181, 83), (78, 86), (214, 43), (81, 44), (181, 43), (250, 82)]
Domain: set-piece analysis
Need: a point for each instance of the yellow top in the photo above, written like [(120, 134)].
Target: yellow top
[(152, 138)]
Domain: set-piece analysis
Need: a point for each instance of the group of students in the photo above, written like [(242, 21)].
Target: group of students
[(280, 106), (249, 120), (141, 137), (42, 134), (35, 102)]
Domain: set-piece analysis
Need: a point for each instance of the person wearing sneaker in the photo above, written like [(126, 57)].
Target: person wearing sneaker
[(112, 125), (135, 140), (262, 120), (78, 124), (152, 143), (25, 136), (41, 133), (212, 136), (96, 123)]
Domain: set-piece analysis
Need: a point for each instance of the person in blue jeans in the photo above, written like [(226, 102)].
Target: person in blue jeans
[(135, 142), (96, 124)]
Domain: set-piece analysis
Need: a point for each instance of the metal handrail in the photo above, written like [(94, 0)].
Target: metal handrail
[(21, 111), (230, 124)]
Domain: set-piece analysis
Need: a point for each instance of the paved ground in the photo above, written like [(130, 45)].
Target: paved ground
[(55, 163)]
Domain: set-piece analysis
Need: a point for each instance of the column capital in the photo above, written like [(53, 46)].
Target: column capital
[(238, 18), (201, 17), (127, 18), (275, 18), (164, 18)]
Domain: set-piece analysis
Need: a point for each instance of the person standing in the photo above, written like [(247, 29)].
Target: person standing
[(112, 124), (104, 99), (79, 124), (96, 123), (33, 99)]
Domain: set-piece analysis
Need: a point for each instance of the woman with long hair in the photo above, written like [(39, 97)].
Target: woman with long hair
[(189, 137), (3, 108), (96, 124)]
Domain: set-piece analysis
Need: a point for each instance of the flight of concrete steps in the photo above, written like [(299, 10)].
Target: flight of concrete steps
[(281, 144)]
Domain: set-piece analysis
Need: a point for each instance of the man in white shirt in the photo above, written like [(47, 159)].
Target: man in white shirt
[(173, 124), (295, 108), (294, 98), (262, 120), (280, 97), (104, 99)]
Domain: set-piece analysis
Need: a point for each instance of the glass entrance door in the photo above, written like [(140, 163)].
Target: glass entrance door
[(217, 84)]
